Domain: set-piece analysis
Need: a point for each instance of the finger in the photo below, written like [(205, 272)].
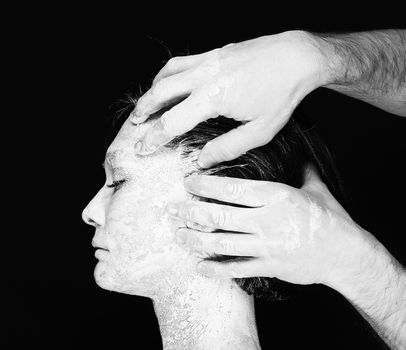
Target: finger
[(234, 143), (232, 269), (163, 93), (251, 193), (231, 243), (179, 64), (217, 216), (178, 120)]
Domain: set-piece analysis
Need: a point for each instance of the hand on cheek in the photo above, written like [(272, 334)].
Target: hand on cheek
[(297, 235)]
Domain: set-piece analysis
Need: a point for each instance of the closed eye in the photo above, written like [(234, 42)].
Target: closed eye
[(116, 185)]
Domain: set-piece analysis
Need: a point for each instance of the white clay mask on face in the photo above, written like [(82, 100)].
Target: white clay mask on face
[(138, 232)]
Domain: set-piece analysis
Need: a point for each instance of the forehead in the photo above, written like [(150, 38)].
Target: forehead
[(123, 144), (164, 163), (159, 175)]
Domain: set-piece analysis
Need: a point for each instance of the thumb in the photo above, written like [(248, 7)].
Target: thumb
[(236, 142), (178, 120)]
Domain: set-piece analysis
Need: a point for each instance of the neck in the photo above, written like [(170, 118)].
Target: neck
[(204, 313)]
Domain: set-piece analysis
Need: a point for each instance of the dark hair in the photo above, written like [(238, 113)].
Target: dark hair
[(284, 159)]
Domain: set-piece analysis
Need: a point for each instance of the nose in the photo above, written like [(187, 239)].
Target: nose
[(88, 219), (94, 213)]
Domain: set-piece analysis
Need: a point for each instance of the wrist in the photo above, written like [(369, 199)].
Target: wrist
[(307, 63), (376, 286), (355, 255), (332, 65), (368, 268), (328, 62)]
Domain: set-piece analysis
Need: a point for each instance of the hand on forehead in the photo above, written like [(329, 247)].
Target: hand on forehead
[(164, 169), (129, 134)]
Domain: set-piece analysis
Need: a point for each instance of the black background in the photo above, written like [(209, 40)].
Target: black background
[(73, 67)]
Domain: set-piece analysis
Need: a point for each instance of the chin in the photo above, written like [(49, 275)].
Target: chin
[(108, 279), (103, 277)]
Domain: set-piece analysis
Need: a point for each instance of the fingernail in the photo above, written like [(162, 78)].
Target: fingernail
[(191, 179), (142, 149), (137, 147), (180, 237), (203, 161), (171, 209), (146, 149), (204, 270), (153, 139), (135, 118)]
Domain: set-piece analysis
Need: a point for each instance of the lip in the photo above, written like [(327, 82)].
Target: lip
[(98, 245), (101, 253), (101, 248)]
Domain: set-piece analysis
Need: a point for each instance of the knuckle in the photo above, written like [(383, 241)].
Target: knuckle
[(225, 152), (228, 45), (234, 189), (172, 64), (210, 67), (184, 212), (157, 88), (292, 198), (226, 247), (284, 194), (196, 242), (226, 55), (262, 140), (191, 212), (221, 218), (166, 120), (260, 250), (279, 195), (167, 123), (140, 106), (235, 270)]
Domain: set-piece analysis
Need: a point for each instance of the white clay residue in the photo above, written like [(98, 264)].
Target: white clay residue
[(292, 241), (315, 219), (194, 312)]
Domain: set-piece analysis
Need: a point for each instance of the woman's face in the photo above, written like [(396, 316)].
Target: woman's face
[(137, 237)]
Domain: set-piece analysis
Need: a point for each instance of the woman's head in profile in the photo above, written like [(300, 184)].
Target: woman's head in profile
[(138, 251)]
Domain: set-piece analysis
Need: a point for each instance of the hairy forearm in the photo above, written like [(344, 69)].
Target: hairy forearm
[(370, 66), (383, 305), (376, 286)]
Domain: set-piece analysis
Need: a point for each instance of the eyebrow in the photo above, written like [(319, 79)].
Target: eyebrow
[(111, 157)]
